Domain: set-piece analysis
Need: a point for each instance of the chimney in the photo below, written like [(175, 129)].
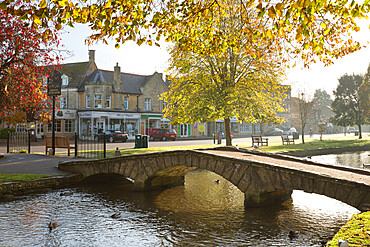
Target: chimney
[(91, 55), (117, 77)]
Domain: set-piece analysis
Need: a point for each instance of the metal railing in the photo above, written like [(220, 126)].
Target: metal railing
[(86, 147), (18, 142), (89, 147)]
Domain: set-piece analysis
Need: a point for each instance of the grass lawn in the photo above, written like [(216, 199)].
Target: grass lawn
[(343, 141), (357, 231), (274, 146), (6, 177)]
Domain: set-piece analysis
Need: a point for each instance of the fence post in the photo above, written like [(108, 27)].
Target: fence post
[(105, 146), (29, 141), (76, 145), (7, 143)]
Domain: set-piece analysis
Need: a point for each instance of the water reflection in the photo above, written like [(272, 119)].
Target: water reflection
[(203, 192), (201, 213), (356, 159)]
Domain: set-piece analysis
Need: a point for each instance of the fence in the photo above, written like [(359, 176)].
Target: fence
[(90, 147), (85, 147), (19, 142)]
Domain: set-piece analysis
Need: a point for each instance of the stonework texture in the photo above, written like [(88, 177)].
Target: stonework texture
[(256, 179)]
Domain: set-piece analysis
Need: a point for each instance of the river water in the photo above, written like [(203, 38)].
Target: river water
[(201, 213)]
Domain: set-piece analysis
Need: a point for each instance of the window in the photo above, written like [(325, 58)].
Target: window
[(108, 101), (125, 102), (235, 127), (40, 128), (162, 104), (58, 126), (97, 100), (64, 80), (87, 101), (44, 81), (69, 126), (63, 102), (148, 104)]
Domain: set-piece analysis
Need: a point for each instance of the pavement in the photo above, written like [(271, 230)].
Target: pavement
[(32, 164)]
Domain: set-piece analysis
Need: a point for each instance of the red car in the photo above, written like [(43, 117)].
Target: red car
[(163, 134)]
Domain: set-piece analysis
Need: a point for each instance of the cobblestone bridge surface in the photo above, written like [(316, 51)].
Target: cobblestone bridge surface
[(263, 177)]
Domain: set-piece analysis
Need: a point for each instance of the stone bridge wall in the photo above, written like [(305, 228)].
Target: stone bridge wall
[(261, 183)]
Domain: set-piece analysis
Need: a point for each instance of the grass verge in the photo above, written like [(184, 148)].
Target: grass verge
[(346, 141), (274, 146), (357, 231), (7, 177)]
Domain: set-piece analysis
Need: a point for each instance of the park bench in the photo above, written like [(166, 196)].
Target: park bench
[(286, 139), (259, 140), (60, 142)]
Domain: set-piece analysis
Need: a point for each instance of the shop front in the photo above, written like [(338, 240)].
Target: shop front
[(152, 122), (93, 122)]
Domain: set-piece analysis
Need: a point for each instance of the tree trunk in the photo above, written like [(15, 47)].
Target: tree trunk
[(303, 134), (227, 131), (359, 132)]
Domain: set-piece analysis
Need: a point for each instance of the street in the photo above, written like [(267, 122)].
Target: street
[(39, 146)]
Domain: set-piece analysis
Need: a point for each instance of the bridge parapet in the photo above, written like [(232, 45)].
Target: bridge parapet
[(261, 182)]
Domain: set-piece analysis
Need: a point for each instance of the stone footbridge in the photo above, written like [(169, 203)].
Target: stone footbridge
[(263, 178)]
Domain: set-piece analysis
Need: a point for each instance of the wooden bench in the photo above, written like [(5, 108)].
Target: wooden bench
[(286, 139), (60, 142), (259, 140)]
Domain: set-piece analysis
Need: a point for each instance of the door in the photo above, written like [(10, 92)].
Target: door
[(183, 130)]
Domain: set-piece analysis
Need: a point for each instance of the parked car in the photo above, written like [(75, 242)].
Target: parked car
[(290, 131), (111, 136), (274, 132), (164, 134), (352, 130)]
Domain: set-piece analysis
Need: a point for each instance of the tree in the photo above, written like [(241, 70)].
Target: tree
[(22, 65), (305, 109), (364, 96), (311, 29), (321, 102), (242, 81), (321, 99), (347, 103)]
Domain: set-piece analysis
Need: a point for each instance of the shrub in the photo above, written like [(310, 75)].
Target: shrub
[(4, 132)]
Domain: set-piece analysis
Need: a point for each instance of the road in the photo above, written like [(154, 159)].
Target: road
[(38, 147)]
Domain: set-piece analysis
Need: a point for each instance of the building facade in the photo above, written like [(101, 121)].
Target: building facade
[(94, 100)]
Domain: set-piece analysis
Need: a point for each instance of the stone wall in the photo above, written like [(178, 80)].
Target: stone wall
[(21, 187)]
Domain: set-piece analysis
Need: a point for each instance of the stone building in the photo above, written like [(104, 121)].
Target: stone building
[(93, 100)]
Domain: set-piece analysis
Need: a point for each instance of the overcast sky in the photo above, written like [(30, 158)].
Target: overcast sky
[(145, 60)]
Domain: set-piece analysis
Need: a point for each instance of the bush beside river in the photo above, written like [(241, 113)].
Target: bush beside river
[(357, 231)]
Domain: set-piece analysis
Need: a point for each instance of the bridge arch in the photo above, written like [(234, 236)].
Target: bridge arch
[(262, 183)]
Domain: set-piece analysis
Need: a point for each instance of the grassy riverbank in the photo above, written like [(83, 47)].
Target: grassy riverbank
[(334, 142), (6, 177), (357, 231)]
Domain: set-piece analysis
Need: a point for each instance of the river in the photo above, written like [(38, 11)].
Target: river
[(201, 213)]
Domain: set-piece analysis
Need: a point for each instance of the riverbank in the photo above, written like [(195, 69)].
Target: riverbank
[(357, 231), (8, 189)]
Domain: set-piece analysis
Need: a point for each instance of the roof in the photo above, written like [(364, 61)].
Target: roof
[(131, 83), (75, 73)]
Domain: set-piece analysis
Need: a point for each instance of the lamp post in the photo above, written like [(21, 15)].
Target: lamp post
[(54, 89)]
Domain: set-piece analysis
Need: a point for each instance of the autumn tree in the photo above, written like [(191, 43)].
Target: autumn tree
[(22, 65), (312, 30), (209, 83), (347, 104)]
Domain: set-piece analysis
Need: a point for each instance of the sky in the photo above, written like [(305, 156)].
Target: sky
[(145, 60)]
